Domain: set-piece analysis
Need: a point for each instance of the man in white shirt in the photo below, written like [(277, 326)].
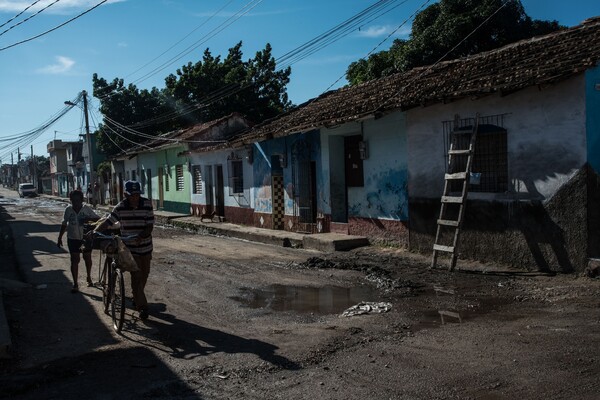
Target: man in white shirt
[(75, 217)]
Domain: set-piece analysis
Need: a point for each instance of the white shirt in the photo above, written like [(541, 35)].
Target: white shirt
[(75, 220)]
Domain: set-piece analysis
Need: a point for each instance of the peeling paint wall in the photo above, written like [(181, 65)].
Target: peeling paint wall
[(384, 194), (592, 94), (545, 137), (541, 222)]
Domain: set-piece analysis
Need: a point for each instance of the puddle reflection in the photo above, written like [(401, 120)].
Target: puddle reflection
[(318, 300)]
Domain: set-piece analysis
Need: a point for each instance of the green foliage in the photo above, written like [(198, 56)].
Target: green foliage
[(444, 25), (128, 107), (104, 170), (198, 92), (254, 87)]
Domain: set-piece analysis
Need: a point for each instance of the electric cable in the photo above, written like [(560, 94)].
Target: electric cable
[(30, 17), (19, 14), (181, 40), (55, 28)]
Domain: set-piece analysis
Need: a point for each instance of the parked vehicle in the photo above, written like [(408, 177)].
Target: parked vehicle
[(27, 189)]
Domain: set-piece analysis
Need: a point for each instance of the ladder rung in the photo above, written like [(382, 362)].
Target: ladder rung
[(456, 175), (452, 199), (459, 152), (447, 222), (447, 249)]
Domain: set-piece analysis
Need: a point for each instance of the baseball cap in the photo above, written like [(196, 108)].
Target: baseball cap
[(132, 187)]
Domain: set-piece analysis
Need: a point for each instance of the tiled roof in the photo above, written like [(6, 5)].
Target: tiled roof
[(537, 61), (196, 136)]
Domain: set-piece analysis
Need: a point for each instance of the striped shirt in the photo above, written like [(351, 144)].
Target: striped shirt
[(133, 221)]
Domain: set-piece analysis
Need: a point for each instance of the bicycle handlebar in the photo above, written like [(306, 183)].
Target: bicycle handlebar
[(112, 236)]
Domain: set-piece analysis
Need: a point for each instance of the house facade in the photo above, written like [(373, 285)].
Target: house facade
[(383, 151), (67, 169)]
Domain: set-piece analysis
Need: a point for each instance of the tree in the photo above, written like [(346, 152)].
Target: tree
[(198, 92), (444, 25), (129, 113), (254, 87)]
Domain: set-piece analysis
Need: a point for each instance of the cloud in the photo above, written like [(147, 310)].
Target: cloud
[(62, 7), (376, 31), (63, 65), (122, 44)]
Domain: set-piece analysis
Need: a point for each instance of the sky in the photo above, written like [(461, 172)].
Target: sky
[(143, 41)]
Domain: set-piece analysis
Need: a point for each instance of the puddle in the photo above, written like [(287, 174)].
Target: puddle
[(321, 300), (460, 308)]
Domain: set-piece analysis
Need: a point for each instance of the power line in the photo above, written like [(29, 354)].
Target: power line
[(430, 67), (19, 14), (373, 12), (181, 40), (55, 28), (31, 16), (243, 11)]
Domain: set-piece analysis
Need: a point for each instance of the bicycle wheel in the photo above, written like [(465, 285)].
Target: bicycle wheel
[(105, 284), (118, 299)]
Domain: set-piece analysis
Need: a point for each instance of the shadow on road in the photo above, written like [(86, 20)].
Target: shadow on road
[(185, 340)]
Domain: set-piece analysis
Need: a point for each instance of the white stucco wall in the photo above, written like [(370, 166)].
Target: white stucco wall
[(148, 162), (220, 158), (383, 195), (545, 138), (130, 166)]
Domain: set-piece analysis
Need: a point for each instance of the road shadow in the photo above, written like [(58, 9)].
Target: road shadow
[(182, 339)]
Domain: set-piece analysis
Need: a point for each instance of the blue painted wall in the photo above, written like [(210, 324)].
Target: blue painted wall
[(385, 191), (263, 153), (592, 105), (385, 194)]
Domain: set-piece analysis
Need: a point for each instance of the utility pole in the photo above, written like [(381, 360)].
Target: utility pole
[(34, 179), (88, 139)]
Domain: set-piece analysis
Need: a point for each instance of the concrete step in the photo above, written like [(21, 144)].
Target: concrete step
[(333, 242)]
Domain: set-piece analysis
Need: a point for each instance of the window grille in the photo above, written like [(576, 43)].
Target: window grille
[(491, 154), (166, 175), (179, 181), (197, 177), (236, 177)]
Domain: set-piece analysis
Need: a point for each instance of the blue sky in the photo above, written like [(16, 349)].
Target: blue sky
[(142, 41)]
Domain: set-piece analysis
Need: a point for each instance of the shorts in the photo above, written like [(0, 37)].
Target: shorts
[(75, 246)]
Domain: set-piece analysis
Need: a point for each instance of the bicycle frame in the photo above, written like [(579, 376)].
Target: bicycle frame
[(112, 283)]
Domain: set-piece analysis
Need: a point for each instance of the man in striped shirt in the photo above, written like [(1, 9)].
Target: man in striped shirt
[(136, 217)]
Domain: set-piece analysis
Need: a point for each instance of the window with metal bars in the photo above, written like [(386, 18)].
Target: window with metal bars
[(197, 179), (236, 177), (491, 154), (179, 180), (166, 175)]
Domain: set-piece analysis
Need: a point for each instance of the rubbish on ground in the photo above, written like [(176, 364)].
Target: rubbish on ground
[(367, 307)]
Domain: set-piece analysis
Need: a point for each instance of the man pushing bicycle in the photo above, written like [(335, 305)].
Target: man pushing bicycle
[(136, 218)]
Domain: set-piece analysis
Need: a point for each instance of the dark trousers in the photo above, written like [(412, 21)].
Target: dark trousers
[(139, 279)]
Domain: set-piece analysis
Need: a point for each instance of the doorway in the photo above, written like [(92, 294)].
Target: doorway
[(219, 191)]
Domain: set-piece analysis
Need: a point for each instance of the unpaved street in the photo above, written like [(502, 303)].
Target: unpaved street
[(238, 320)]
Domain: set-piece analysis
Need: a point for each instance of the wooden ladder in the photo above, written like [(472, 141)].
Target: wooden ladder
[(450, 202)]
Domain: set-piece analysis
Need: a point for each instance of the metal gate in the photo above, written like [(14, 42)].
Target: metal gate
[(303, 178)]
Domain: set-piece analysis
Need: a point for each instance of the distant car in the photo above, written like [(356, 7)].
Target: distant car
[(27, 189)]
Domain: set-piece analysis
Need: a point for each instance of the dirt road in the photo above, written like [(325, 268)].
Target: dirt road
[(239, 320)]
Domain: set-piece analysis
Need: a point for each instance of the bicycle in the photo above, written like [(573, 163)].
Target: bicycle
[(111, 277)]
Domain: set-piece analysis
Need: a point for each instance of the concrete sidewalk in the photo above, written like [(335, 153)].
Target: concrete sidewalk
[(326, 242)]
